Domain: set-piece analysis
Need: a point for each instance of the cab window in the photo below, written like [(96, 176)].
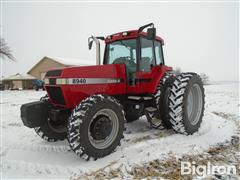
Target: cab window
[(158, 53), (147, 55), (122, 52)]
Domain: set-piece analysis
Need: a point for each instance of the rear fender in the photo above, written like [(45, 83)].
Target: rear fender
[(159, 76)]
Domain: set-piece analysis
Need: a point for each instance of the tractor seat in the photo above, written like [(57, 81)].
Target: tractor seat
[(130, 65)]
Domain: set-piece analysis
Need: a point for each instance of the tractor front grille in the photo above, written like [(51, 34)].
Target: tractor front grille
[(56, 95), (52, 81)]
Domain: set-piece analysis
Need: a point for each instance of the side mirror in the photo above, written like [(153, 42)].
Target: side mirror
[(151, 33), (90, 45)]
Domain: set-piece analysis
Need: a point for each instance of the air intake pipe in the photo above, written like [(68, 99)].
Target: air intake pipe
[(96, 40)]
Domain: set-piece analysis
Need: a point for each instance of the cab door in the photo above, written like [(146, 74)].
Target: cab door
[(149, 66)]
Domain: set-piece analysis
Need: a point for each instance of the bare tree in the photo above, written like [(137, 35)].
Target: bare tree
[(5, 51), (205, 78)]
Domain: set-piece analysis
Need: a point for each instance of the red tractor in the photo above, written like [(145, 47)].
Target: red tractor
[(90, 105)]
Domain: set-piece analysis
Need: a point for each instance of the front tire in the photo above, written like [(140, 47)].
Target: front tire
[(51, 131), (96, 126)]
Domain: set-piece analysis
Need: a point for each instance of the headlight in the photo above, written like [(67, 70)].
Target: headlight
[(61, 81), (46, 81)]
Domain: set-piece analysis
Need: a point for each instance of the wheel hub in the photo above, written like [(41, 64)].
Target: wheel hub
[(101, 128), (194, 104)]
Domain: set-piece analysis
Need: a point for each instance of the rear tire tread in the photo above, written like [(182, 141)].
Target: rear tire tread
[(159, 99), (176, 102)]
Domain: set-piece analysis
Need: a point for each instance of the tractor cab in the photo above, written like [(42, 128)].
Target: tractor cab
[(139, 51), (142, 54)]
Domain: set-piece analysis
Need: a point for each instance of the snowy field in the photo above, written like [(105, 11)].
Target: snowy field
[(25, 155)]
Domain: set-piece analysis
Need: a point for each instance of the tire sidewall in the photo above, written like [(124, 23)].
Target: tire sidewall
[(84, 126), (189, 128)]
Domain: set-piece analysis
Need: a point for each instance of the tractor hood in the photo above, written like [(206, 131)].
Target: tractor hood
[(85, 75), (67, 86)]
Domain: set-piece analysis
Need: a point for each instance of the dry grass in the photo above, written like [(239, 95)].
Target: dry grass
[(168, 168), (102, 173)]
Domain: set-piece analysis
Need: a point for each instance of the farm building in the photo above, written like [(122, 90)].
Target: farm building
[(18, 81), (39, 70)]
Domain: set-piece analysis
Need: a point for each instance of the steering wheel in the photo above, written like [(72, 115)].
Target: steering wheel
[(127, 61)]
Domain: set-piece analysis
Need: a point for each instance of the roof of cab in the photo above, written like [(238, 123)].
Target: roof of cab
[(130, 35)]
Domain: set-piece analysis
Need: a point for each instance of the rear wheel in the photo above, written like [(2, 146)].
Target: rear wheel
[(186, 103), (96, 127), (159, 117)]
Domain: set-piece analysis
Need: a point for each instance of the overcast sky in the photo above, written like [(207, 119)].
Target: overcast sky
[(200, 37)]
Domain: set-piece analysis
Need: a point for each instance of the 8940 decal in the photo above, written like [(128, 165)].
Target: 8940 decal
[(79, 81)]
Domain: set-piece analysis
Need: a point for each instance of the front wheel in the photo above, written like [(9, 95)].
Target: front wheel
[(52, 131), (96, 126)]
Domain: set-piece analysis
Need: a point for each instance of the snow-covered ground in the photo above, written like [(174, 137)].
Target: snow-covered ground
[(25, 155)]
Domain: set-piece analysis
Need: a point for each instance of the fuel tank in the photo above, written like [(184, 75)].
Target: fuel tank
[(68, 86)]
